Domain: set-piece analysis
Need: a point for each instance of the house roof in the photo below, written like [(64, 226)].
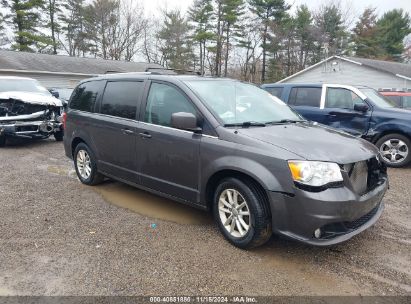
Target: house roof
[(402, 70), (13, 60), (395, 68)]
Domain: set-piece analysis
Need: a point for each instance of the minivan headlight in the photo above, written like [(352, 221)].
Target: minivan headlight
[(315, 173)]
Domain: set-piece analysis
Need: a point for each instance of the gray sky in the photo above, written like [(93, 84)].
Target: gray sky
[(151, 6)]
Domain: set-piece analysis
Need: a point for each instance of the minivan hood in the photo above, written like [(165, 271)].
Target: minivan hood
[(314, 142)]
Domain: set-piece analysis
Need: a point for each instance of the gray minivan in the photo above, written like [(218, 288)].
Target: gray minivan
[(229, 147)]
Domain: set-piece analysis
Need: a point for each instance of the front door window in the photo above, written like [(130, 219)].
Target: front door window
[(341, 98), (164, 100)]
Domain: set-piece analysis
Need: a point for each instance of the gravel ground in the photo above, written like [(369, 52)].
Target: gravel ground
[(58, 237)]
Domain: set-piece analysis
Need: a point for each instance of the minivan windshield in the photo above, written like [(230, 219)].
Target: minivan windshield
[(22, 85), (379, 100), (238, 103)]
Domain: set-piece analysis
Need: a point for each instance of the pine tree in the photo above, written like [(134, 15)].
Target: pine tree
[(176, 47), (2, 30), (53, 8), (72, 27), (267, 11), (332, 33), (392, 29), (200, 16), (365, 35), (304, 34), (218, 36), (101, 19), (25, 19), (232, 11)]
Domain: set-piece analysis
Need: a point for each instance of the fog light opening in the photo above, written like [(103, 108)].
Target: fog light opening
[(317, 233)]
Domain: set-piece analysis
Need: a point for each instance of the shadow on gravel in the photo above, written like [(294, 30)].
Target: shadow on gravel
[(13, 143)]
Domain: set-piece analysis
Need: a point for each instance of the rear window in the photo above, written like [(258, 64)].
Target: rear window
[(85, 95), (121, 97), (309, 97), (275, 91)]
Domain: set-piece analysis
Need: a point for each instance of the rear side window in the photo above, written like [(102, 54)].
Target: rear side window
[(309, 97), (275, 91), (121, 97), (85, 95)]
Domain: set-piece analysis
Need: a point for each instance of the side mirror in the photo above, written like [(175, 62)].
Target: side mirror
[(185, 121), (55, 93), (360, 107)]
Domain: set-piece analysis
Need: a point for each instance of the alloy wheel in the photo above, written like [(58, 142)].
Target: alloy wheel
[(394, 151), (234, 213), (83, 164)]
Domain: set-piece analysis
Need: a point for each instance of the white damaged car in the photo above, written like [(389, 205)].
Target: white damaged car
[(28, 110)]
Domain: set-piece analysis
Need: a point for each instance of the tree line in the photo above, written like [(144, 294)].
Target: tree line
[(252, 40)]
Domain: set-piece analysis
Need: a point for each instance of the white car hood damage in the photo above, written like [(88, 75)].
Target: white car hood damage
[(33, 98)]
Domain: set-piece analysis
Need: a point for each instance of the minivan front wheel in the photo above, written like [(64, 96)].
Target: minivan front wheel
[(86, 167), (241, 212), (395, 150)]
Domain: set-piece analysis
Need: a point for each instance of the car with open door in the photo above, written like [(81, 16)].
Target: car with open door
[(358, 110)]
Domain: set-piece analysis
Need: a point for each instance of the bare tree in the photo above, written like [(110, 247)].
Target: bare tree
[(125, 31), (152, 44), (250, 52)]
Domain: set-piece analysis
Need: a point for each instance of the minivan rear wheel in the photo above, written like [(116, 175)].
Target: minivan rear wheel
[(395, 150), (86, 166), (241, 212)]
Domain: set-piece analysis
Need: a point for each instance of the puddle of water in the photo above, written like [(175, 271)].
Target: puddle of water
[(151, 205), (305, 276), (62, 170)]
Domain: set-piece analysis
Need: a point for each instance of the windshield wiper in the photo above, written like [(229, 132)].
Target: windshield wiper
[(246, 124), (285, 121)]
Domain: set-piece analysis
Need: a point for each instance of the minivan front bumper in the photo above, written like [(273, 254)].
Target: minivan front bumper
[(339, 213)]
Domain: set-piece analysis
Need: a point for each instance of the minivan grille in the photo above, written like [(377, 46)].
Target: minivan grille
[(366, 175), (362, 220), (359, 177), (332, 230)]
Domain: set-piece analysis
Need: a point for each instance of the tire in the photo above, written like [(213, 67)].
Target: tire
[(88, 176), (2, 140), (400, 150), (259, 219), (59, 135)]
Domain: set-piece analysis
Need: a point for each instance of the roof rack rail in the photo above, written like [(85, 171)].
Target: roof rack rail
[(157, 71), (116, 72)]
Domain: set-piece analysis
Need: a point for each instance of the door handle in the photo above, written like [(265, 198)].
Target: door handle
[(145, 135), (127, 131)]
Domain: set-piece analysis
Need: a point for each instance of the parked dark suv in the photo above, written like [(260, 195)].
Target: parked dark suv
[(358, 110), (229, 147)]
